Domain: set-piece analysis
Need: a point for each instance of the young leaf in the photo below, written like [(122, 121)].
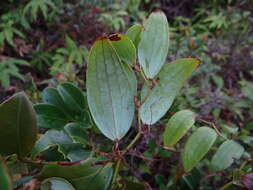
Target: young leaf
[(124, 48), (82, 176), (18, 127), (154, 44), (134, 34), (177, 127), (111, 86), (56, 183), (198, 144), (225, 155), (158, 100), (5, 180)]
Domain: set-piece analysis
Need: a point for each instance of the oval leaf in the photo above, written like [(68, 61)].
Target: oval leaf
[(198, 144), (134, 34), (124, 48), (111, 86), (82, 175), (158, 100), (56, 183), (154, 44), (5, 180), (177, 126), (17, 126), (225, 155)]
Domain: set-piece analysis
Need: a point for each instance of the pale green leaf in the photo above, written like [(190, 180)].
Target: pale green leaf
[(154, 44), (225, 155), (157, 101), (177, 127), (198, 144), (111, 87)]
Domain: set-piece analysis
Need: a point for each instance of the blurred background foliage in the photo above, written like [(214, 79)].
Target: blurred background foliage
[(46, 42)]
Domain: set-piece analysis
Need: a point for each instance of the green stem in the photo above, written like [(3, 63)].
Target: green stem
[(130, 145), (226, 185), (116, 171)]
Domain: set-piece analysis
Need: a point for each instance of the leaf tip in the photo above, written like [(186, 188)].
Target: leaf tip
[(114, 37)]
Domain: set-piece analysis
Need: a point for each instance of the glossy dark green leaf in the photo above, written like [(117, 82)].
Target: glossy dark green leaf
[(111, 87), (77, 133), (82, 176), (51, 138), (52, 96), (226, 154), (50, 116), (154, 44), (124, 48), (134, 34), (56, 183), (18, 127), (66, 146), (177, 127), (72, 97), (5, 180), (158, 100), (198, 144)]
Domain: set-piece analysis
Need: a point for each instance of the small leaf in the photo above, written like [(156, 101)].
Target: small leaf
[(5, 180), (158, 100), (134, 34), (154, 44), (225, 155), (178, 126), (82, 176), (198, 144), (124, 48), (111, 87), (17, 126), (247, 181), (50, 116), (56, 183)]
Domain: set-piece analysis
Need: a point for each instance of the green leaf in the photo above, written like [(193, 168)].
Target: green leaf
[(124, 48), (72, 97), (51, 138), (134, 34), (154, 44), (198, 144), (50, 116), (52, 96), (5, 180), (66, 146), (56, 183), (177, 127), (82, 176), (225, 155), (77, 133), (111, 87), (17, 126), (158, 100)]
